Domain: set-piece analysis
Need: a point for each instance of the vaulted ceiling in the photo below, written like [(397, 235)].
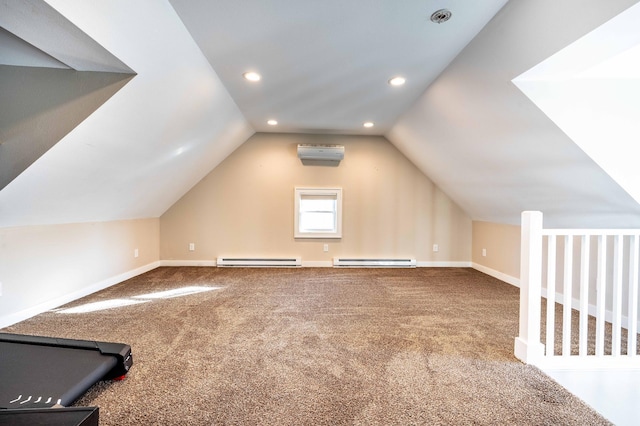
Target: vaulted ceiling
[(325, 65), (116, 108)]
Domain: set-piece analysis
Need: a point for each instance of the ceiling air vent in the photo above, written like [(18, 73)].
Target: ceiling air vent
[(440, 16)]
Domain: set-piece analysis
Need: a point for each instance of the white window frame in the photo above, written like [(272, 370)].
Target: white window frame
[(330, 193)]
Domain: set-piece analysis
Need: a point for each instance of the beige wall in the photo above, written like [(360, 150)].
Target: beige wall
[(244, 207), (43, 265), (502, 244)]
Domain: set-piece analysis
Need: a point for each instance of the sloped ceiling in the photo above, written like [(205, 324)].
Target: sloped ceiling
[(46, 104), (52, 76), (471, 131), (591, 90), (325, 65), (146, 145), (490, 148)]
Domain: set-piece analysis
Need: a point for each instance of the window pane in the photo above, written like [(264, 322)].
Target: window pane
[(317, 205), (318, 213), (317, 222)]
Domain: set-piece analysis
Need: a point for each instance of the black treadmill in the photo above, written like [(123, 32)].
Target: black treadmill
[(43, 372), (72, 416)]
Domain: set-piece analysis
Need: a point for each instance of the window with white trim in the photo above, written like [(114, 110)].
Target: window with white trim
[(318, 213)]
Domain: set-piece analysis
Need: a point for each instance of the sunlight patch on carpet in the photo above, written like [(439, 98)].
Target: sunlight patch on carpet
[(177, 292), (100, 306), (134, 300)]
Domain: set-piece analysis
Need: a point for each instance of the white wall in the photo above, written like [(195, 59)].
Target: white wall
[(42, 267)]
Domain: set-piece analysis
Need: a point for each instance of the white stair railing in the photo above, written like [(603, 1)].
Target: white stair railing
[(573, 267)]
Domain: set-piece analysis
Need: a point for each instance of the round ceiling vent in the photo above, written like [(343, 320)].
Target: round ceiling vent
[(440, 16)]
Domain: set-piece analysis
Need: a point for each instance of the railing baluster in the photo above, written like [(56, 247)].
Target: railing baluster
[(616, 322), (606, 269), (601, 292), (566, 295), (632, 326), (551, 295), (584, 295)]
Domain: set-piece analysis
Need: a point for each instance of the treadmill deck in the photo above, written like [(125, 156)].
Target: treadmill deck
[(40, 372)]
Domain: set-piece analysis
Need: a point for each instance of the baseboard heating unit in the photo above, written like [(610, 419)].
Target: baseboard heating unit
[(259, 262), (374, 263)]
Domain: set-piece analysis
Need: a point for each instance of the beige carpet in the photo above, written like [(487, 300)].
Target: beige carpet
[(317, 346)]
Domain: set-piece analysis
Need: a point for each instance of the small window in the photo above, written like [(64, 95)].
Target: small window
[(318, 213)]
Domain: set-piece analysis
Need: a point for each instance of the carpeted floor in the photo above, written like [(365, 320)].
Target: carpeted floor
[(317, 346)]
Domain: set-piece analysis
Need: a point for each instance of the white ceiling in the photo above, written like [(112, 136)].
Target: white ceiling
[(491, 149), (591, 90), (325, 67), (39, 25), (148, 144), (15, 51)]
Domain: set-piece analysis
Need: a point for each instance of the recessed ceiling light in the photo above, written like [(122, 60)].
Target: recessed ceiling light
[(440, 16), (368, 124), (397, 81), (272, 122), (252, 76)]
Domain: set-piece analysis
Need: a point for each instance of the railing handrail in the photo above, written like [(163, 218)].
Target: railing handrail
[(590, 232)]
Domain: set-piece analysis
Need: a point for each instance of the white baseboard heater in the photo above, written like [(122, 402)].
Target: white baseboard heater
[(259, 262), (373, 263)]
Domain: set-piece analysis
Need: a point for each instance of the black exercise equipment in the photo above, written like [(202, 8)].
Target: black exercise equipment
[(43, 372), (72, 416)]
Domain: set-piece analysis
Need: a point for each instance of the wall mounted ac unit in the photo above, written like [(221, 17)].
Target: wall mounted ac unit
[(320, 155)]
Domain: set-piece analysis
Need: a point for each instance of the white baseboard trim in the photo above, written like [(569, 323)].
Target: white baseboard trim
[(7, 320), (188, 263), (319, 263), (329, 264), (443, 264), (497, 274)]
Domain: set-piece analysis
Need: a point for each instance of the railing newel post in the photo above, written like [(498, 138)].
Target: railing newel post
[(528, 347)]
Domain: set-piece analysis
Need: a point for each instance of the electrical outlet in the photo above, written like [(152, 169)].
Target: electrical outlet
[(136, 253), (326, 248), (484, 252), (435, 247), (192, 246)]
